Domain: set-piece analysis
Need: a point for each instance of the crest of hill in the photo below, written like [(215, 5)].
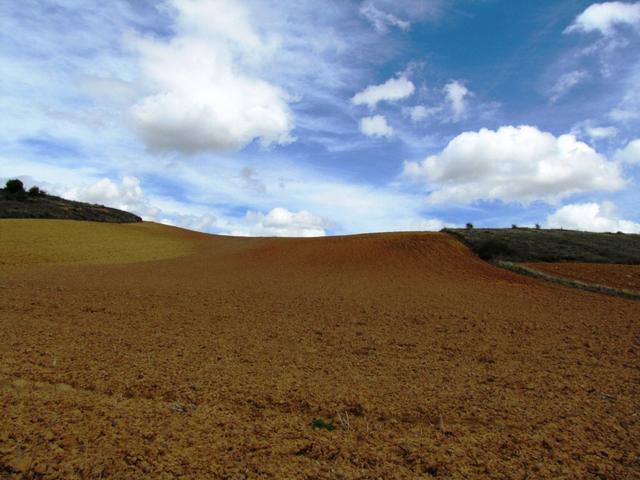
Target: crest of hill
[(15, 202), (542, 245)]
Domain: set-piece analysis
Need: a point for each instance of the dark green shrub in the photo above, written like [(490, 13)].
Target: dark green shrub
[(469, 226), (494, 249), (35, 191), (537, 226), (14, 186), (319, 423)]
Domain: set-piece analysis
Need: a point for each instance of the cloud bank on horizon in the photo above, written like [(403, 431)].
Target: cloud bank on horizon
[(264, 117)]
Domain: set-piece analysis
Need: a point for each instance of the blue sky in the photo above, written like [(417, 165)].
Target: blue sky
[(259, 117)]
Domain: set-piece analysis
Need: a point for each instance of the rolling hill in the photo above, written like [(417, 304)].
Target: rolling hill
[(232, 357), (52, 207), (551, 245)]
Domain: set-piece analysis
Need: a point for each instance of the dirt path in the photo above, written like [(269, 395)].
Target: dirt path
[(429, 362)]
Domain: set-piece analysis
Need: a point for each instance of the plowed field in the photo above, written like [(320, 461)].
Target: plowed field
[(625, 277), (214, 364)]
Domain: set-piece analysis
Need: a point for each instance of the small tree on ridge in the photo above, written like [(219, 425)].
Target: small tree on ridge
[(14, 186)]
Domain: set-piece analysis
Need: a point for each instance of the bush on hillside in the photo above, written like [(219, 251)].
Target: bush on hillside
[(494, 250), (14, 190), (14, 186)]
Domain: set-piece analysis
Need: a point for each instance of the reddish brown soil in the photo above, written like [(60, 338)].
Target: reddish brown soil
[(626, 277), (430, 362)]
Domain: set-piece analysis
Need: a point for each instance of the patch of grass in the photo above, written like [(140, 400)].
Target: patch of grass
[(318, 423)]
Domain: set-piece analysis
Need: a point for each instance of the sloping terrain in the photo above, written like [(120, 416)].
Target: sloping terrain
[(50, 206), (27, 242), (625, 277), (428, 361), (532, 245)]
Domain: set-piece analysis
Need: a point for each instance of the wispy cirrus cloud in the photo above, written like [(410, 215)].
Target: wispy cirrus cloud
[(565, 83), (381, 20)]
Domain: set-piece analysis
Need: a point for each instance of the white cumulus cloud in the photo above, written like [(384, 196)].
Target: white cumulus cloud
[(280, 222), (630, 153), (593, 217), (392, 89), (604, 17), (376, 126), (106, 192), (456, 94), (382, 20), (520, 164), (201, 95), (126, 195)]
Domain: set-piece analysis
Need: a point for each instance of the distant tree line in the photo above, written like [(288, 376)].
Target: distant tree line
[(469, 226), (14, 189)]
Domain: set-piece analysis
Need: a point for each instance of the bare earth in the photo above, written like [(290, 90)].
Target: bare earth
[(625, 277), (214, 363)]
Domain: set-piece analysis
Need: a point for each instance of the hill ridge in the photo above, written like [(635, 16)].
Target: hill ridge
[(42, 205)]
